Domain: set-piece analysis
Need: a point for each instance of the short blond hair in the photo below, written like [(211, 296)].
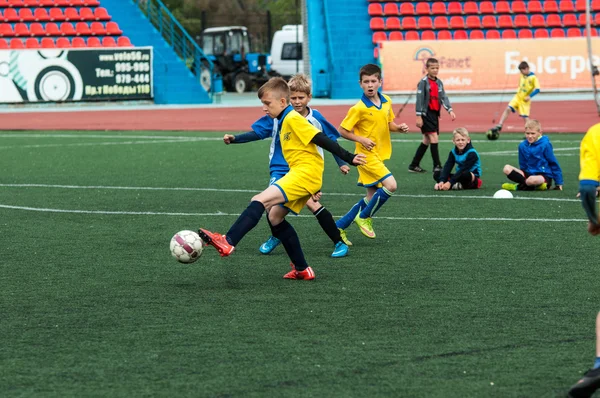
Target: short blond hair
[(301, 83), (461, 131), (276, 85), (533, 124)]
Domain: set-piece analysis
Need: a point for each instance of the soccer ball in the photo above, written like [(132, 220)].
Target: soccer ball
[(503, 194), (186, 246), (492, 134)]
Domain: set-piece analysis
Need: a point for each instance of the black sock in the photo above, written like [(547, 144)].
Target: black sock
[(328, 224), (435, 155), (290, 241), (245, 222), (516, 177), (419, 155), (465, 178)]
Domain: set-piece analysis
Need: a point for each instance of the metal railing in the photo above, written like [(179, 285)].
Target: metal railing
[(178, 38)]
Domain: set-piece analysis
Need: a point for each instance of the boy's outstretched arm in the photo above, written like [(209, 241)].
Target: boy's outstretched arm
[(350, 136), (329, 145), (241, 138)]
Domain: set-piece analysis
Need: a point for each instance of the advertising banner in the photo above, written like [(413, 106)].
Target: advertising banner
[(59, 75), (489, 65)]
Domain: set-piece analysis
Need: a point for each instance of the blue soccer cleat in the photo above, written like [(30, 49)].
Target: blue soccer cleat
[(269, 245), (341, 250)]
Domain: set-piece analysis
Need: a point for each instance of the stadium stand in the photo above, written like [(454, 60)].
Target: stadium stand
[(63, 24)]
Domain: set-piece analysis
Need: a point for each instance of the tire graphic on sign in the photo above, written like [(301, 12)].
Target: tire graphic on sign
[(54, 83)]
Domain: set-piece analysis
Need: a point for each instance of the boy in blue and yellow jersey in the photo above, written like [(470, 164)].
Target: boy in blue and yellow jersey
[(266, 127), (300, 142), (529, 87), (467, 161), (369, 123), (538, 167)]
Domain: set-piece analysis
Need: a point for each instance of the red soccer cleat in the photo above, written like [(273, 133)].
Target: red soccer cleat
[(216, 240), (306, 275)]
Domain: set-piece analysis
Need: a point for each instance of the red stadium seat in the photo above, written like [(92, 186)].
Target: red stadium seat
[(46, 3), (376, 52), (538, 21), (438, 8), (460, 35), (394, 36), (92, 3), (77, 3), (476, 35), (550, 6), (95, 42), (82, 29), (78, 42), (525, 34), (15, 3), (71, 14), (470, 7), (596, 5), (534, 6), (6, 30), (21, 30), (541, 34), (375, 9), (409, 23), (553, 20), (473, 22), (40, 14), (411, 35), (3, 3), (422, 8), (582, 21), (37, 29), (124, 41), (521, 21), (11, 15), (52, 29), (376, 23), (502, 7), (32, 43), (3, 44), (63, 42), (25, 15), (16, 44), (391, 23), (86, 14), (440, 22), (557, 32), (67, 29), (454, 7), (509, 34), (407, 9), (492, 34), (580, 5), (428, 35), (101, 14), (377, 36), (570, 20), (457, 22), (489, 22), (56, 15), (391, 9), (486, 7), (444, 35), (566, 6), (505, 21), (47, 42), (518, 7), (62, 3), (425, 23), (30, 3), (596, 20), (573, 32)]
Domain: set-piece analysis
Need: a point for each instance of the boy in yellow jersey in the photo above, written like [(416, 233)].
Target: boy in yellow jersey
[(300, 142), (589, 180), (529, 87), (368, 123)]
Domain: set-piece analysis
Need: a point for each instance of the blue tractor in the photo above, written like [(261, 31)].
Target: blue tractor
[(228, 47)]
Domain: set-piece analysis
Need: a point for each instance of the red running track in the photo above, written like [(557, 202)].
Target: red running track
[(557, 116)]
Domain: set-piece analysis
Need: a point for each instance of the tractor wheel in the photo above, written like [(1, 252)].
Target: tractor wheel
[(242, 83)]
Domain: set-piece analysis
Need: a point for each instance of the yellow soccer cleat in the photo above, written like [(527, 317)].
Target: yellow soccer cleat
[(542, 187), (366, 226), (344, 237), (509, 187)]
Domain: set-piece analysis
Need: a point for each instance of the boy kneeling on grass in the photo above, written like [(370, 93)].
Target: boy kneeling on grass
[(467, 161)]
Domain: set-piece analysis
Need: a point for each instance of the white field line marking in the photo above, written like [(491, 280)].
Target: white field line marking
[(257, 191), (512, 152), (219, 214), (100, 143)]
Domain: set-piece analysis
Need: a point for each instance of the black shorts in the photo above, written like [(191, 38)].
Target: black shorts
[(548, 180), (431, 122)]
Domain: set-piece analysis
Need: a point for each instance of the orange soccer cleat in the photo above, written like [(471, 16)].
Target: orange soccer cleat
[(216, 240), (306, 275)]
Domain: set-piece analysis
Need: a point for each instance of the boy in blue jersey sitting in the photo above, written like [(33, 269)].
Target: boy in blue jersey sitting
[(368, 123), (538, 166), (300, 95), (467, 161), (300, 145)]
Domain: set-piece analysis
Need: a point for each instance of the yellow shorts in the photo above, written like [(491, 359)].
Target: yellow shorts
[(372, 173), (519, 105), (297, 188)]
